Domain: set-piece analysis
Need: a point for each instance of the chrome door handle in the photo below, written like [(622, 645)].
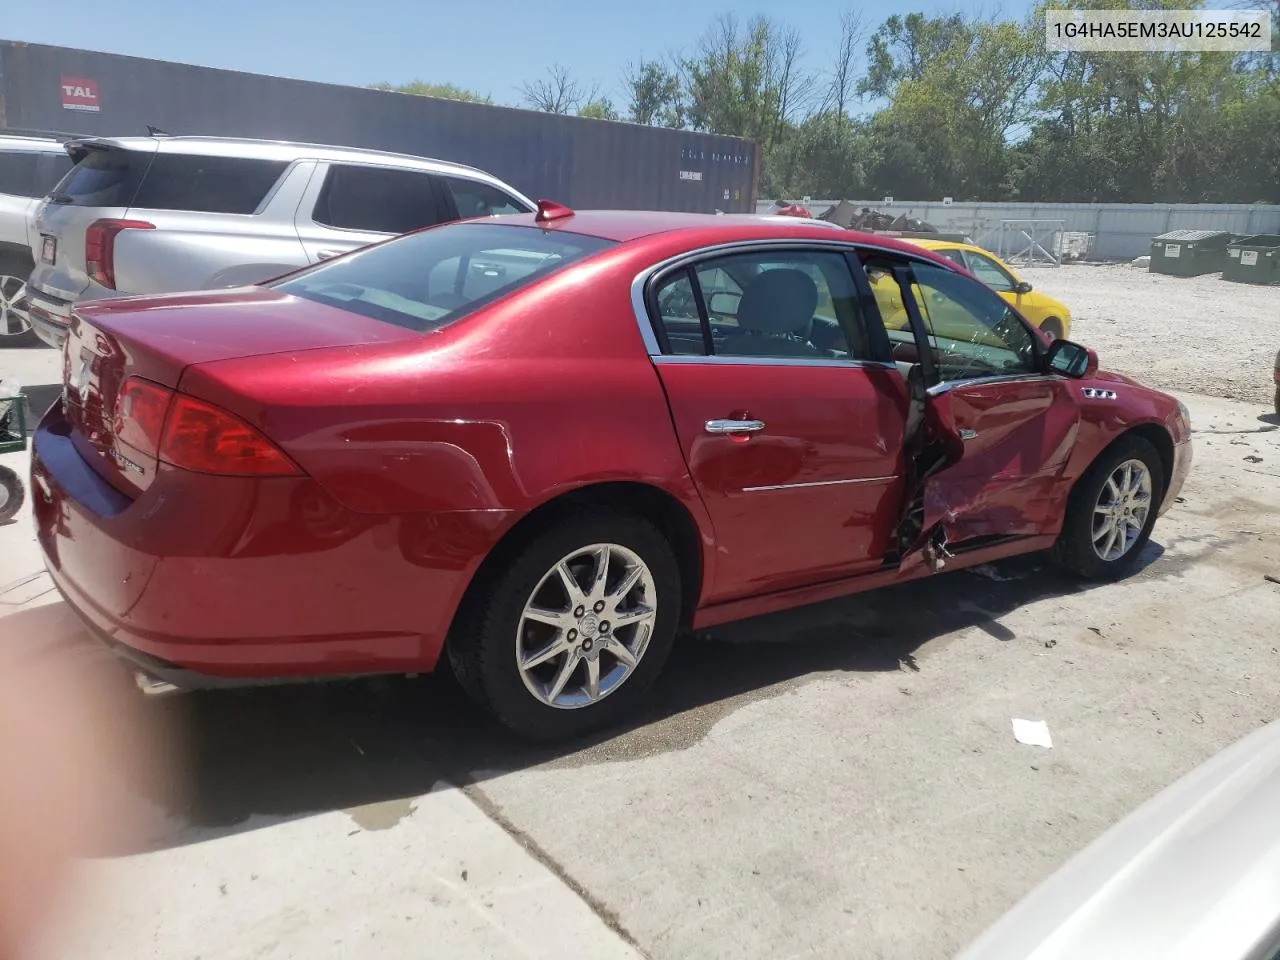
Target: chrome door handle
[(327, 254), (734, 426)]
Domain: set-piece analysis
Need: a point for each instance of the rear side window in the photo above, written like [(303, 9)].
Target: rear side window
[(168, 181), (427, 280), (177, 181), (102, 178), (476, 199), (19, 175), (377, 200)]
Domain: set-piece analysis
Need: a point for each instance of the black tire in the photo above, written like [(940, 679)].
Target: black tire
[(1052, 328), (1075, 548), (1278, 401), (17, 266), (12, 494), (482, 643)]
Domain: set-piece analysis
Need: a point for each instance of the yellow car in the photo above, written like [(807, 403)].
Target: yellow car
[(1052, 317)]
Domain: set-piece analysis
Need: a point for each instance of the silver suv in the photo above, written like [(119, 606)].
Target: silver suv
[(143, 215), (30, 164)]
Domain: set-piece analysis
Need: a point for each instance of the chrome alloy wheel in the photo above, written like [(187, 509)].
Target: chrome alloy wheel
[(14, 321), (1122, 509), (586, 626)]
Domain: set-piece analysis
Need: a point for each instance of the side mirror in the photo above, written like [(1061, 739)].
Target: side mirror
[(724, 303), (1071, 360), (1022, 287)]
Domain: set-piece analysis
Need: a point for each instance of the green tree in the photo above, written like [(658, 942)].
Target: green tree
[(746, 82), (904, 46), (599, 109), (443, 91), (655, 95)]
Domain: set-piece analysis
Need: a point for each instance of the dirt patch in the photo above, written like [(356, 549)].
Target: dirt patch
[(1196, 334)]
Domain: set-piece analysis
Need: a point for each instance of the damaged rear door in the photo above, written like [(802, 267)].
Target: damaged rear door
[(990, 432)]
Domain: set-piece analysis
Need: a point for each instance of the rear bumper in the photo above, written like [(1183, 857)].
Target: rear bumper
[(214, 581), (51, 314), (50, 317)]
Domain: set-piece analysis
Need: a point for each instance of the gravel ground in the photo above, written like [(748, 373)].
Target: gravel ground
[(1197, 334)]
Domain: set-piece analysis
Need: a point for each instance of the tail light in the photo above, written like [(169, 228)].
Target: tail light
[(194, 435), (140, 412), (100, 248), (207, 439)]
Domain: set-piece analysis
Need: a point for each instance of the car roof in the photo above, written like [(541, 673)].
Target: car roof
[(943, 244), (1190, 873), (32, 143), (623, 226), (278, 150)]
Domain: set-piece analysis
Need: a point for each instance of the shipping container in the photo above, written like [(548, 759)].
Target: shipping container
[(589, 164)]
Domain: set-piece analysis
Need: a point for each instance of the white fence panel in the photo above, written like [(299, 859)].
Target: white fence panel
[(1121, 231)]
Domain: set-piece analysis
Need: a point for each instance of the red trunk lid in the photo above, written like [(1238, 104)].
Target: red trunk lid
[(157, 338)]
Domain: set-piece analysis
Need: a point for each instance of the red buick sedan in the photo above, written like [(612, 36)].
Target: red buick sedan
[(546, 445)]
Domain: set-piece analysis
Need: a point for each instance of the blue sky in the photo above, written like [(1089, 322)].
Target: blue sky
[(489, 45)]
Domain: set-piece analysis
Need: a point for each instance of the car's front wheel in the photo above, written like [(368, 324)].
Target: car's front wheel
[(570, 633), (1112, 511), (1052, 328)]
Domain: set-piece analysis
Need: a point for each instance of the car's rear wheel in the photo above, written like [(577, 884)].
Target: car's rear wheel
[(1052, 328), (1112, 511), (15, 324), (570, 633)]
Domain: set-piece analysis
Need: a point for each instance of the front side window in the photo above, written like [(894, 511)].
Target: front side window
[(476, 199), (769, 304), (955, 256), (427, 280), (972, 331), (377, 199), (989, 272)]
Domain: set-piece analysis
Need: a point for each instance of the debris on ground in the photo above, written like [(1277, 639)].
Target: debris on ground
[(988, 571), (1034, 733), (1252, 458), (1272, 577)]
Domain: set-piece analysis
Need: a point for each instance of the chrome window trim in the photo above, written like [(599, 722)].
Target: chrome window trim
[(680, 358), (818, 483), (947, 386), (641, 281)]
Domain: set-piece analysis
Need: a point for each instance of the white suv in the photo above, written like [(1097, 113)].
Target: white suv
[(30, 164), (143, 215)]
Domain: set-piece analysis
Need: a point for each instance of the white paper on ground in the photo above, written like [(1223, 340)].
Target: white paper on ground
[(1034, 733)]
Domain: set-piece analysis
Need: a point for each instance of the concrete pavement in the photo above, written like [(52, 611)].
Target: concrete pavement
[(841, 781)]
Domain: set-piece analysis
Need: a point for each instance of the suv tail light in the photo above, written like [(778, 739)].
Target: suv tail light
[(100, 248), (194, 435)]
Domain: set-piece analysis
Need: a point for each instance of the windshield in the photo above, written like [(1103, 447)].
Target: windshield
[(426, 280)]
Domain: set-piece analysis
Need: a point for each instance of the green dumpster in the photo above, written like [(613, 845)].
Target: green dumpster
[(1254, 259), (1190, 253)]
